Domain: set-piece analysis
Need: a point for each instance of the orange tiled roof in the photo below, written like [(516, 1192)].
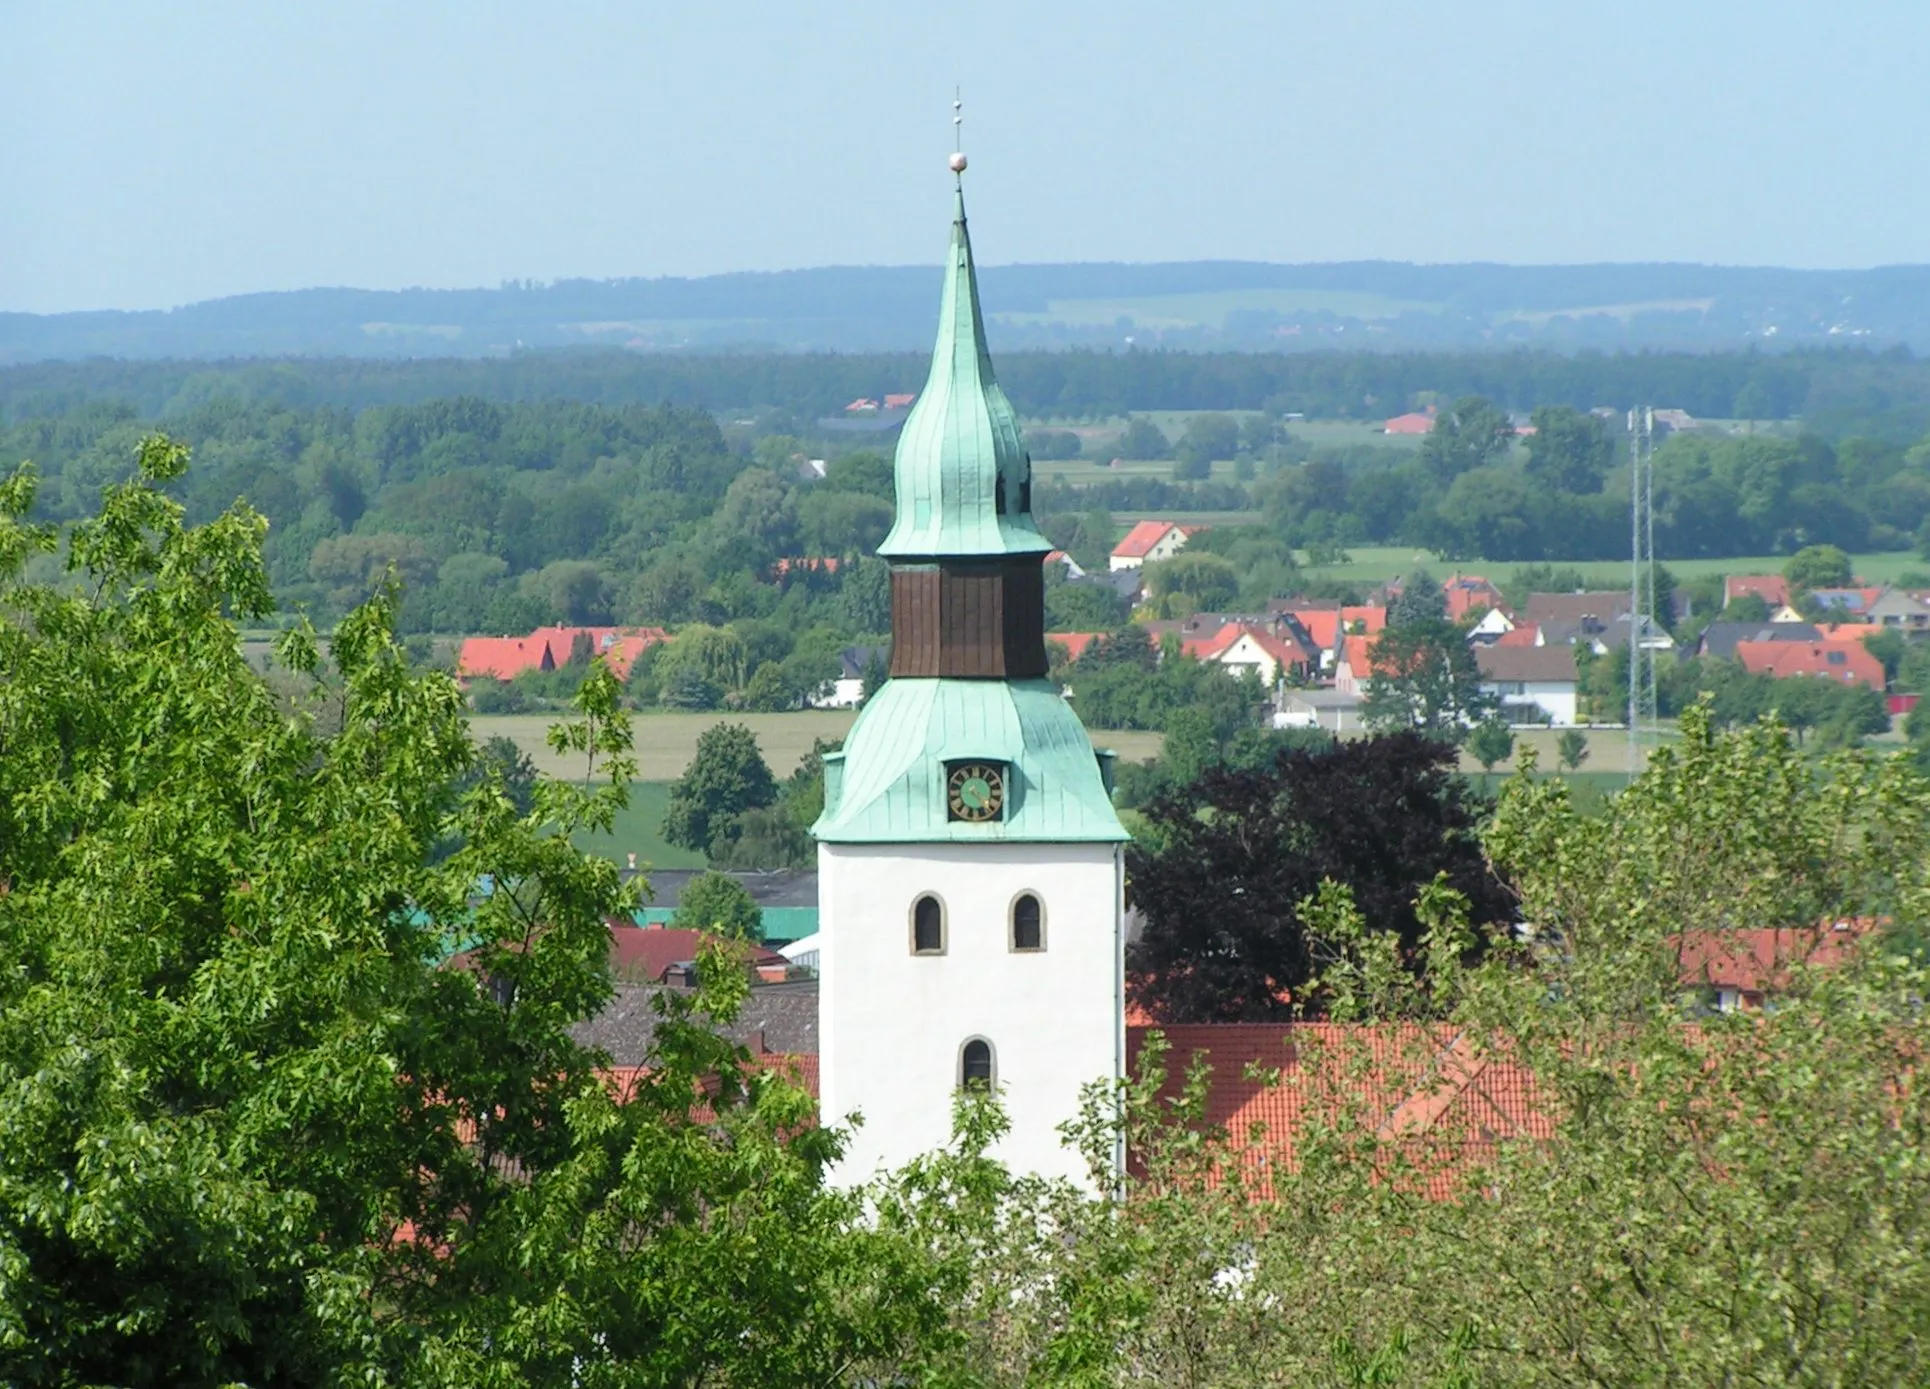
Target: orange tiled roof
[(1846, 662), (1075, 643), (1142, 537), (1430, 1089), (549, 647)]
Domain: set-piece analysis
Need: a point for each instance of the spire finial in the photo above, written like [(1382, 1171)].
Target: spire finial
[(958, 133)]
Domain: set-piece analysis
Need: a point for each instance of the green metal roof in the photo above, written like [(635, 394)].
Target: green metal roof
[(961, 443), (888, 785)]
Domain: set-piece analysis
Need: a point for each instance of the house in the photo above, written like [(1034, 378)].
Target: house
[(862, 406), (668, 955), (1492, 626), (1466, 593), (1245, 646), (1072, 645), (1846, 602), (1535, 684), (1432, 1090), (1149, 542), (900, 402), (1844, 662), (1901, 609), (546, 648), (1601, 607), (788, 566), (1353, 664), (1719, 639), (1320, 625), (1333, 710), (1072, 568), (847, 690), (1417, 422), (1743, 968), (1773, 589)]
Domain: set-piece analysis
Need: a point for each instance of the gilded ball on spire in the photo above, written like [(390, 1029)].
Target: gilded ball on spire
[(958, 163)]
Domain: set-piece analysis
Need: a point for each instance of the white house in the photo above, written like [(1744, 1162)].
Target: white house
[(847, 691), (1535, 684), (1150, 542)]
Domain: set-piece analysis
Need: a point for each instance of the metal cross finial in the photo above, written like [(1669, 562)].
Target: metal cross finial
[(958, 133)]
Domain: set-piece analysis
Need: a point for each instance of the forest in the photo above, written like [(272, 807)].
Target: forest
[(514, 506)]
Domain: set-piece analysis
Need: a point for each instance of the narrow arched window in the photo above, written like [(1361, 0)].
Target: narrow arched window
[(927, 926), (1028, 922), (975, 1063)]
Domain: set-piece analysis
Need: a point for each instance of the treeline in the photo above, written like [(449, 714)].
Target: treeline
[(1474, 492), (1836, 392)]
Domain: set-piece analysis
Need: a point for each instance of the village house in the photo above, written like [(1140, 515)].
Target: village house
[(1773, 589), (1845, 662), (847, 690), (1902, 610), (546, 648), (1149, 542), (1535, 684), (1720, 639), (1244, 647)]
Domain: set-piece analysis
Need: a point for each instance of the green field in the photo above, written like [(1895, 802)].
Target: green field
[(639, 830), (665, 742)]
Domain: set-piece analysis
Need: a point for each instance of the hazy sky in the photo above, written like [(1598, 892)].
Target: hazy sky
[(153, 154)]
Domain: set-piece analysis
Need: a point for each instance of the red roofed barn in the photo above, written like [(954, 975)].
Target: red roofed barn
[(546, 648), (1149, 542)]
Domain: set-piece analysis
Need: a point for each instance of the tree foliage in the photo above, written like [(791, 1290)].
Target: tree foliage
[(718, 903), (254, 1134), (727, 776), (1231, 860)]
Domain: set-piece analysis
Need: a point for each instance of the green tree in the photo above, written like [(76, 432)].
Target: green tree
[(1571, 749), (254, 1134), (1888, 646), (1143, 440), (727, 776), (718, 903), (1421, 599), (1491, 741), (1472, 435), (1424, 678), (1205, 582), (1818, 566), (1569, 451)]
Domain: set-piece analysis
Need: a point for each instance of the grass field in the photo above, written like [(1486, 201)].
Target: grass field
[(665, 742), (639, 828)]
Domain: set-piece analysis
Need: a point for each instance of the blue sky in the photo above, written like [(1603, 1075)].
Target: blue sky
[(157, 154)]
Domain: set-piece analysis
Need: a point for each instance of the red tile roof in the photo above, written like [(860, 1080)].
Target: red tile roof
[(1415, 423), (1325, 625), (1523, 635), (1466, 592), (646, 952), (1757, 960), (1141, 538), (1773, 589), (1075, 643), (815, 564), (549, 647), (1846, 662), (899, 402), (1429, 1089)]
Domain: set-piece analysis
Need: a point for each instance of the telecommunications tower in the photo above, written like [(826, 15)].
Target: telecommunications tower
[(1641, 581)]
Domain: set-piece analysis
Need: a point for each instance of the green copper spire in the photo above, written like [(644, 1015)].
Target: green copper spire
[(964, 480)]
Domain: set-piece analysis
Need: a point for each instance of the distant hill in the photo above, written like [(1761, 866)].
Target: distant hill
[(1203, 305)]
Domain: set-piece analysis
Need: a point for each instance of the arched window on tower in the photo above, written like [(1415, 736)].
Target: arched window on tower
[(975, 1066), (1028, 922), (927, 926)]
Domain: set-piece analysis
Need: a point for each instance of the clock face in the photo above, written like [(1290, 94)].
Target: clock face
[(975, 791)]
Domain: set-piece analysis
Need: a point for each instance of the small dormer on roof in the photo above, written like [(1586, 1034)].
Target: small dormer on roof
[(963, 477)]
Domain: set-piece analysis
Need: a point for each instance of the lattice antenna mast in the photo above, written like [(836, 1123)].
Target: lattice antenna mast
[(1641, 581)]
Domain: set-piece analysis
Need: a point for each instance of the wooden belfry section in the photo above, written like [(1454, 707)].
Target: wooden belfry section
[(977, 618)]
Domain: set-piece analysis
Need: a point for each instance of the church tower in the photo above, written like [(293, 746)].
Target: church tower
[(969, 859)]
